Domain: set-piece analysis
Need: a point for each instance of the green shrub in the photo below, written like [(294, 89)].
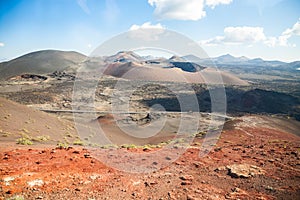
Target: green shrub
[(16, 198), (108, 146), (5, 133), (24, 141), (78, 142), (128, 146), (62, 145)]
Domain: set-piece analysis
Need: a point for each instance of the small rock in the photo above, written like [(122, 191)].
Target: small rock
[(198, 191), (172, 195), (149, 183), (69, 148), (187, 177), (270, 188), (186, 183), (94, 177), (236, 189), (168, 158), (146, 149), (271, 160), (197, 164), (189, 197), (86, 155), (294, 153), (243, 170), (8, 192), (218, 149), (76, 152), (37, 182)]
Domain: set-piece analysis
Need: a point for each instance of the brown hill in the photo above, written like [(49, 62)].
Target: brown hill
[(157, 72), (41, 62)]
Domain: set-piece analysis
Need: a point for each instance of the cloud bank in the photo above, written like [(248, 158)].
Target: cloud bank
[(250, 35), (214, 3), (146, 31), (183, 10), (146, 25)]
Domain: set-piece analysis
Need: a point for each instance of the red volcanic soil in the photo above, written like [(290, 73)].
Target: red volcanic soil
[(246, 163)]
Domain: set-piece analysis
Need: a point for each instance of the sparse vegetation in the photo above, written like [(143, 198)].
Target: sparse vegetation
[(109, 146), (129, 146), (24, 130), (16, 198), (42, 138), (78, 142), (24, 141), (5, 133), (68, 134), (62, 145)]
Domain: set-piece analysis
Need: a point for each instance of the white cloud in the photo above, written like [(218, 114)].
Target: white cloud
[(183, 10), (146, 25), (146, 31), (244, 34), (238, 35), (282, 40), (2, 44), (214, 3), (295, 30), (178, 9), (249, 35), (277, 41)]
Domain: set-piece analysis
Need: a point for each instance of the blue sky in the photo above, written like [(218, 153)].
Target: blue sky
[(269, 29)]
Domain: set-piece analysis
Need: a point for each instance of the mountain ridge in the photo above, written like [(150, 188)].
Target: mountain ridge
[(48, 61)]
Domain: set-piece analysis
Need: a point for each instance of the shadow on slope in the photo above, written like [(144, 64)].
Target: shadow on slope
[(238, 101)]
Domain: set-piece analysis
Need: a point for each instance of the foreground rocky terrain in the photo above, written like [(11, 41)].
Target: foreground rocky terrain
[(251, 160)]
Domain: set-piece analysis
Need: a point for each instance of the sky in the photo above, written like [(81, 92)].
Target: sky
[(269, 29)]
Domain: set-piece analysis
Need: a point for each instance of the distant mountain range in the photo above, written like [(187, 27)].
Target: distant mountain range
[(48, 61), (231, 60)]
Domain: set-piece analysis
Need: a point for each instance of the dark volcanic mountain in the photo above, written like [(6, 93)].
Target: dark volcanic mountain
[(41, 62)]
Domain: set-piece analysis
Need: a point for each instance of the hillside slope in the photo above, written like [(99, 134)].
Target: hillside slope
[(41, 62), (21, 121)]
